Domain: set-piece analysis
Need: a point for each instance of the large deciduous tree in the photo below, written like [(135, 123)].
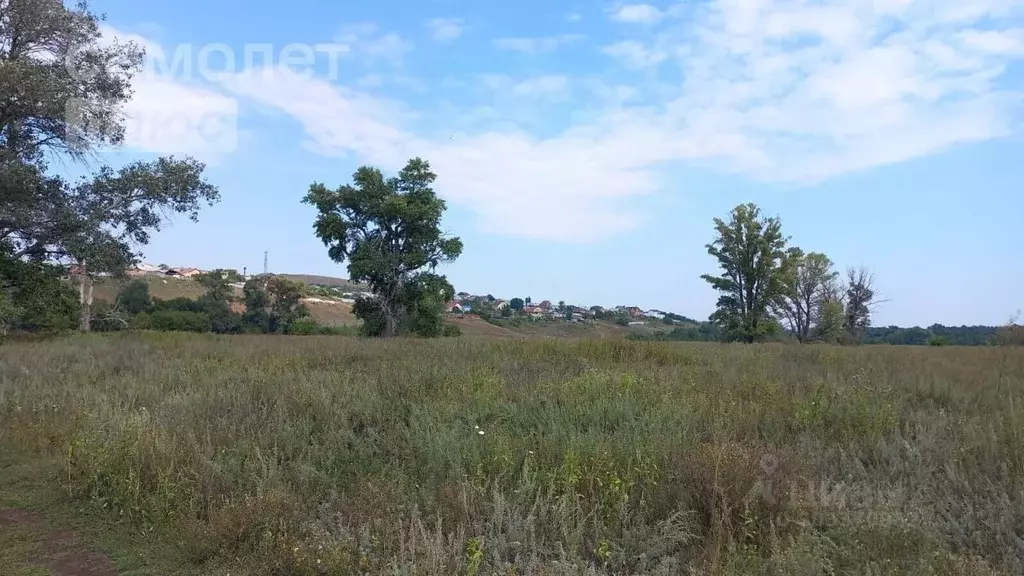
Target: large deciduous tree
[(752, 253), (807, 286), (388, 230), (62, 90)]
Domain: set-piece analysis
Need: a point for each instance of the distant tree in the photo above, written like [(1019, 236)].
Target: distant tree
[(752, 253), (860, 301), (517, 304), (936, 340), (134, 298), (807, 285), (389, 232), (1012, 334), (164, 267), (561, 306), (528, 301), (273, 304), (217, 286), (491, 298), (216, 303)]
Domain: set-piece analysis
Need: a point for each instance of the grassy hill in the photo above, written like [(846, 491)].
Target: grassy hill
[(324, 281), (162, 288)]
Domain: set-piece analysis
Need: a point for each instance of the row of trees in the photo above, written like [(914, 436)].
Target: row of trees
[(767, 286)]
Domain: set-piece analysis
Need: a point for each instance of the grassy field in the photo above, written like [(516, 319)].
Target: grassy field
[(330, 455)]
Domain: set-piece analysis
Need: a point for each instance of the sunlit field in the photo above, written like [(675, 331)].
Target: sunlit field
[(332, 455)]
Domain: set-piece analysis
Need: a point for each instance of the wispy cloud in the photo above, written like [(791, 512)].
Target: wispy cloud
[(635, 54), (445, 29), (536, 45), (637, 14), (785, 90), (173, 115), (367, 40)]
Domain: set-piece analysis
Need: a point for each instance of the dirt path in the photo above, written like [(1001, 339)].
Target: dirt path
[(60, 552)]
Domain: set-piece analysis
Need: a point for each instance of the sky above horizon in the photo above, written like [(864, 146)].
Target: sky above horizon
[(584, 148)]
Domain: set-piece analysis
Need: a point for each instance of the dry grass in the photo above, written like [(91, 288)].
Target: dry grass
[(318, 455)]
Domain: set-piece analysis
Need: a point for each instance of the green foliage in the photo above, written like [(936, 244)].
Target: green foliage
[(829, 326), (808, 283), (936, 340), (449, 330), (217, 285), (52, 111), (917, 336), (860, 297), (702, 332), (273, 303), (173, 321), (752, 253), (179, 304), (134, 298), (33, 298), (517, 304), (388, 230), (309, 327)]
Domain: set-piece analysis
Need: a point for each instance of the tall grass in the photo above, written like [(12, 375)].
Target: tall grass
[(313, 455)]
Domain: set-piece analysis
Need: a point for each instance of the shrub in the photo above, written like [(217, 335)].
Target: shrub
[(134, 298), (179, 304), (105, 318), (450, 330), (174, 321)]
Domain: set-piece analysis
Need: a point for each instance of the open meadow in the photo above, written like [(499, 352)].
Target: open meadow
[(333, 455)]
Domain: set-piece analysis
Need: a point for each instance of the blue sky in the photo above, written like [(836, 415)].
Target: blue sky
[(584, 148)]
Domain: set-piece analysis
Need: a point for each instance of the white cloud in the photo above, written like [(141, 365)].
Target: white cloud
[(541, 85), (445, 29), (635, 54), (785, 90), (1009, 42), (366, 39), (637, 14), (170, 115), (574, 17), (536, 45)]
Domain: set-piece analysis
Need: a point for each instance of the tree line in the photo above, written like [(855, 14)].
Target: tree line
[(770, 290), (62, 91), (767, 287)]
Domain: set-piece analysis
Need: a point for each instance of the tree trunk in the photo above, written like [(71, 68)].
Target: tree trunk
[(85, 299)]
